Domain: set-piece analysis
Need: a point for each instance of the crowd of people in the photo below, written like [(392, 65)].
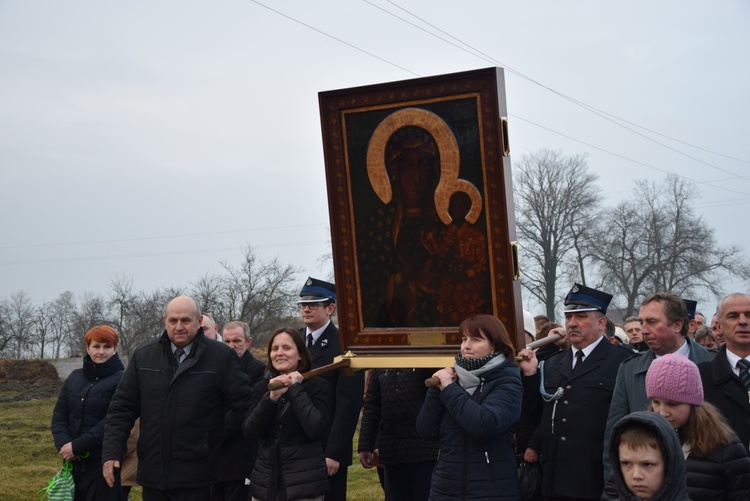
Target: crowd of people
[(657, 408)]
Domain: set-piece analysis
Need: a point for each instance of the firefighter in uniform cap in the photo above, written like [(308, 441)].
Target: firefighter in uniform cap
[(574, 388), (317, 303)]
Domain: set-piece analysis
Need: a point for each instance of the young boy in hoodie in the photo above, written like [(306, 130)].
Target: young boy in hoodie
[(650, 459)]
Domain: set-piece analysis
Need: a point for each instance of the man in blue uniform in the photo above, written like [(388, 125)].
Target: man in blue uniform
[(575, 388)]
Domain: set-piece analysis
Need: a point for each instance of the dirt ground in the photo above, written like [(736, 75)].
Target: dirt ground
[(37, 379), (27, 380)]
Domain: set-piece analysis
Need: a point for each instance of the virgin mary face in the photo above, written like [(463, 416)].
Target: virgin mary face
[(416, 176)]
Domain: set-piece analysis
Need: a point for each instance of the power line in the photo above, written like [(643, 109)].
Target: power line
[(152, 254), (334, 38), (602, 114), (161, 237), (627, 158), (481, 55)]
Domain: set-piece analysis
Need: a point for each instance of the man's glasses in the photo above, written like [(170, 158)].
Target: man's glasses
[(312, 306)]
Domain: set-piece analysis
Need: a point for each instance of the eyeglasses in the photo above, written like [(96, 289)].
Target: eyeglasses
[(312, 306)]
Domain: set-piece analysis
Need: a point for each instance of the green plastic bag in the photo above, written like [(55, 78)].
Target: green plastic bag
[(61, 487)]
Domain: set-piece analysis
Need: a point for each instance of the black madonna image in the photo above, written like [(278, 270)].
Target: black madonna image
[(421, 233)]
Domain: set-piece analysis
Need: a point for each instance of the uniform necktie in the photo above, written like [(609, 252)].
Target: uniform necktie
[(178, 353), (579, 359), (744, 365), (309, 341)]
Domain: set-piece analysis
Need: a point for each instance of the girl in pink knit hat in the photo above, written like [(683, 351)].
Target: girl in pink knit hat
[(717, 463)]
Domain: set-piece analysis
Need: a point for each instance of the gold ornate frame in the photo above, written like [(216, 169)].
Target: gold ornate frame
[(464, 113)]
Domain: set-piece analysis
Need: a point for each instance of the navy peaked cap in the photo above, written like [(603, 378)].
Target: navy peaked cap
[(691, 306), (316, 290), (582, 298)]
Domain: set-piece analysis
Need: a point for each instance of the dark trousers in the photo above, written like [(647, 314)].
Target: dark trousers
[(408, 481), (337, 485), (235, 490), (196, 494), (90, 483)]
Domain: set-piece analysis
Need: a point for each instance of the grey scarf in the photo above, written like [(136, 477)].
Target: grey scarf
[(470, 379)]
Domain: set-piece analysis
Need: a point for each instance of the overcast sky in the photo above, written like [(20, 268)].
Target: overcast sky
[(156, 139)]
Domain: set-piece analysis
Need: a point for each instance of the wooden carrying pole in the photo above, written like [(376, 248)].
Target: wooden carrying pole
[(552, 338), (341, 364)]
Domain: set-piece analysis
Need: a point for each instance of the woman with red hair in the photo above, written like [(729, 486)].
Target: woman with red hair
[(80, 412)]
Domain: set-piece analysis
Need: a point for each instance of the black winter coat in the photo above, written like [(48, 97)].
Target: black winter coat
[(237, 454), (572, 428), (182, 411), (346, 395), (389, 420), (725, 391), (82, 405), (475, 432), (723, 475), (79, 418), (291, 463)]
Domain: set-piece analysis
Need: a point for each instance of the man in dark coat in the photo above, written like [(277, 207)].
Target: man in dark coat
[(317, 303), (180, 385), (237, 454), (576, 389), (664, 326), (722, 377)]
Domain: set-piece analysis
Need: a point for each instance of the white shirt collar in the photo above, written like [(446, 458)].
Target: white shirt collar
[(317, 332), (187, 348), (683, 350), (587, 350), (733, 359)]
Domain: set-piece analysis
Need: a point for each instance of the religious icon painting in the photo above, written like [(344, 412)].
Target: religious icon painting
[(421, 210)]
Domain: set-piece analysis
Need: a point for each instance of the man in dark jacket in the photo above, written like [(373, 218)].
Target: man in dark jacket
[(576, 389), (180, 386), (237, 454), (664, 326), (724, 384), (317, 303)]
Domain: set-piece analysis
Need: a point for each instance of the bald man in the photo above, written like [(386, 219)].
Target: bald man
[(180, 385), (210, 329)]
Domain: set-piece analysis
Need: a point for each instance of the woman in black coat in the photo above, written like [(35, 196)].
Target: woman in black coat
[(291, 425), (472, 412), (80, 411)]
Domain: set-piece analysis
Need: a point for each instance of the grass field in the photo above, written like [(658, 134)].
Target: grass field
[(28, 458)]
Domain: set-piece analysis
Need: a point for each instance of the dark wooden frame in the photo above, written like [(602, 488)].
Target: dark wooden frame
[(354, 121)]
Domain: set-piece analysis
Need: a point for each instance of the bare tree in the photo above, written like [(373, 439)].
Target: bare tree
[(91, 312), (6, 336), (62, 322), (21, 316), (656, 242), (43, 327), (208, 291), (137, 316), (259, 293), (555, 196), (121, 303), (145, 317)]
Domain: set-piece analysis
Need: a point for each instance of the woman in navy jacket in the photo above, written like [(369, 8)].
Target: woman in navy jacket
[(472, 412), (80, 411)]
